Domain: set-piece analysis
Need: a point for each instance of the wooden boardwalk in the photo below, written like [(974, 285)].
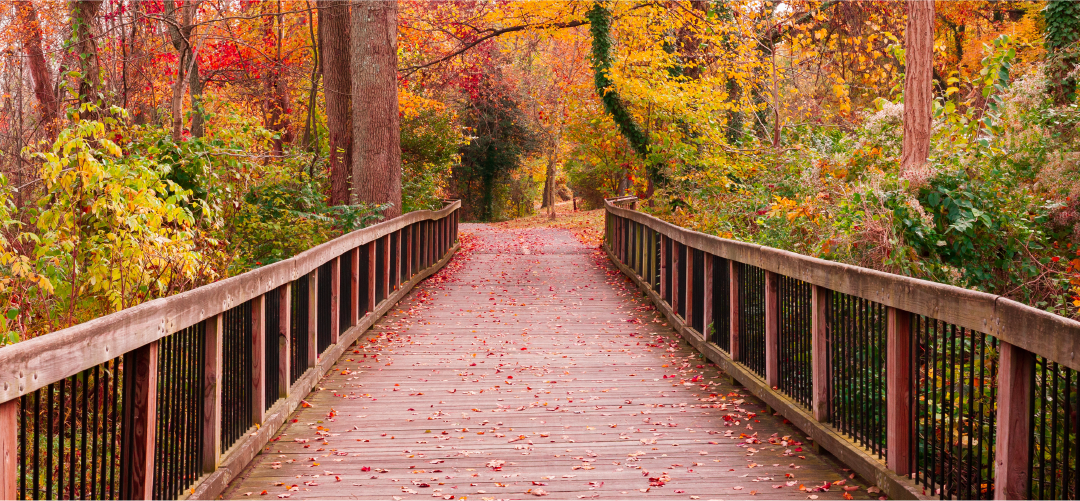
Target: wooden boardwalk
[(531, 367)]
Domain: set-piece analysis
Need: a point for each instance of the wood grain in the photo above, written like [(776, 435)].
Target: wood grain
[(284, 344), (213, 345), (258, 358), (9, 466), (1012, 458), (141, 405), (898, 391), (819, 345), (772, 338)]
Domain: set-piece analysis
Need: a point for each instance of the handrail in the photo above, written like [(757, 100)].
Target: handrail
[(895, 334), (200, 329)]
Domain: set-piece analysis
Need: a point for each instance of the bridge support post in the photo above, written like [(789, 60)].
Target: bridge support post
[(313, 318), (211, 415), (1012, 458), (9, 463), (676, 257), (408, 252), (370, 249), (354, 287), (819, 343), (258, 358), (772, 338), (707, 302), (688, 309), (140, 413), (284, 344), (733, 298), (385, 264), (898, 391), (663, 267), (335, 299)]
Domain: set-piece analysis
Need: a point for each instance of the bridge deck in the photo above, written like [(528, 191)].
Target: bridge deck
[(529, 366)]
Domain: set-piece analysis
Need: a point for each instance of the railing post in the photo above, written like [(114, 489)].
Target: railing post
[(335, 299), (313, 318), (371, 274), (663, 267), (354, 286), (819, 359), (9, 460), (772, 341), (385, 266), (898, 391), (676, 255), (211, 416), (392, 248), (1012, 457), (689, 285), (707, 297), (408, 252), (733, 297), (258, 358), (284, 343), (140, 409)]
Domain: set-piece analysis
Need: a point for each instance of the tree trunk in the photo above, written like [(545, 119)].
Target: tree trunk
[(376, 165), (180, 29), (334, 39), (83, 13), (39, 70), (918, 90), (276, 96), (1062, 32)]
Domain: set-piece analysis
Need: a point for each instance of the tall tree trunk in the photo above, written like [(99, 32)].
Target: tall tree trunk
[(39, 70), (310, 140), (276, 95), (334, 26), (181, 29), (918, 90), (376, 129), (549, 179), (83, 13)]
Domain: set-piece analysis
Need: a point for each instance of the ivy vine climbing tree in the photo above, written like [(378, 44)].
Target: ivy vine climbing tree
[(1062, 33), (600, 28)]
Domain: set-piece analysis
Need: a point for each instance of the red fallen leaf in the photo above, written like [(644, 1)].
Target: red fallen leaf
[(848, 496), (538, 483), (366, 468), (263, 493)]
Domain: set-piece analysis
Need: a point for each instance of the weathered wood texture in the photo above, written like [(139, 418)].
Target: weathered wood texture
[(898, 388), (1051, 336), (258, 358), (140, 407), (284, 347), (37, 362), (9, 450), (821, 405), (212, 371), (1012, 464), (534, 358)]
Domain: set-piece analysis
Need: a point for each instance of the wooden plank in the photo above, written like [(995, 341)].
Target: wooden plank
[(258, 358), (821, 404), (313, 318), (772, 341), (733, 309), (140, 405), (284, 344), (354, 287), (213, 343), (898, 392), (9, 459), (1012, 454), (335, 299)]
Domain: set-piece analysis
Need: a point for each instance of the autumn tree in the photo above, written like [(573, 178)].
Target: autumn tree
[(180, 23), (334, 26), (918, 90), (83, 13), (1062, 34), (376, 147), (39, 70)]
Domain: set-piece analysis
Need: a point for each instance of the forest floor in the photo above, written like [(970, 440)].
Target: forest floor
[(586, 225), (552, 376)]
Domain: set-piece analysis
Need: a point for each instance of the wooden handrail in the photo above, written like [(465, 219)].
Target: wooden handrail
[(94, 356), (1014, 339)]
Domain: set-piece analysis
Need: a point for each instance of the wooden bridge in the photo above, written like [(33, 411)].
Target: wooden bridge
[(671, 364)]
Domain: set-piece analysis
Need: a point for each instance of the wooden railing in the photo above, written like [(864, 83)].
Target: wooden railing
[(925, 389), (172, 398)]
